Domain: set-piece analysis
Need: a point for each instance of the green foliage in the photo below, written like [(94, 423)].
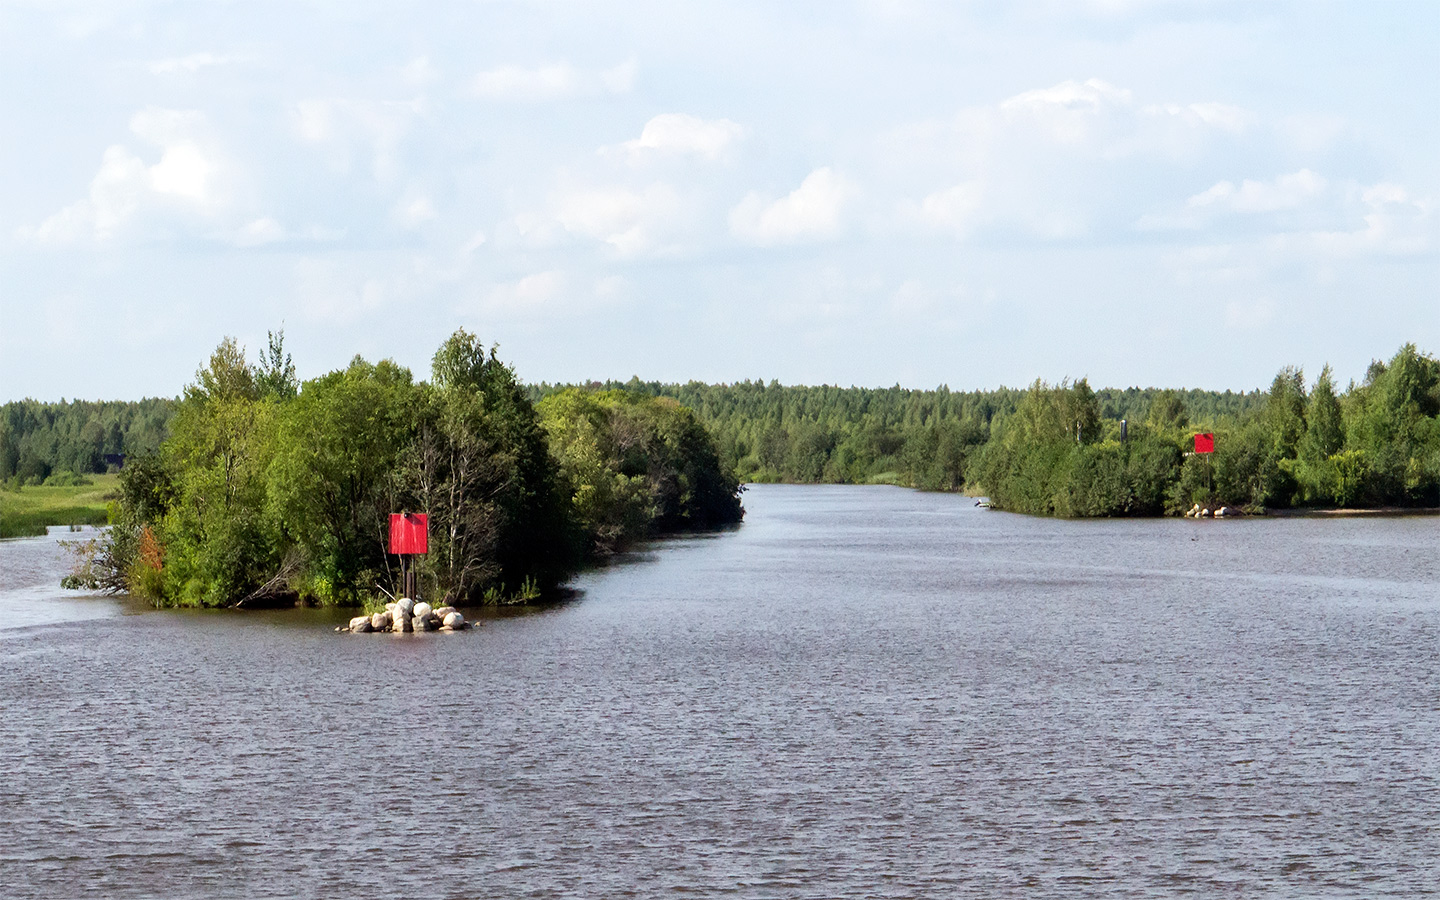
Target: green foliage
[(637, 466), (332, 483), (37, 438), (265, 489), (275, 375), (27, 510), (481, 466)]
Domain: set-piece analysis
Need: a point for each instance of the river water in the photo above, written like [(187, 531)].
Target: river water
[(861, 692)]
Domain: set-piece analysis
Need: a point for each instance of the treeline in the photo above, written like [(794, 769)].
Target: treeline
[(268, 490), (921, 438), (1377, 443), (39, 440), (1058, 449)]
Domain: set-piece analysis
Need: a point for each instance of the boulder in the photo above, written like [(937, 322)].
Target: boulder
[(359, 624), (422, 609), (426, 622), (454, 620), (1204, 513), (380, 621), (405, 606), (402, 623), (1222, 512), (444, 611)]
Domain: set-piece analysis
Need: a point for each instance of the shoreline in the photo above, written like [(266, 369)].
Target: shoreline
[(1357, 513)]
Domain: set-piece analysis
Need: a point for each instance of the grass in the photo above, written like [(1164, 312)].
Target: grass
[(30, 510)]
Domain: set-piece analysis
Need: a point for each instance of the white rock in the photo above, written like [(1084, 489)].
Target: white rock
[(403, 623), (360, 624), (444, 611), (405, 606), (422, 609), (426, 622), (380, 621), (1204, 513), (454, 620)]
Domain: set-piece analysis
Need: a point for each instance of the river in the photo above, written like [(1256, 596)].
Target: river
[(860, 692)]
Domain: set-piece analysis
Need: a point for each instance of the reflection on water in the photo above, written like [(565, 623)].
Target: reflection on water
[(862, 692), (30, 592)]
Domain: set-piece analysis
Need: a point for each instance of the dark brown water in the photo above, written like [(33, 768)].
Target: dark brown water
[(862, 692)]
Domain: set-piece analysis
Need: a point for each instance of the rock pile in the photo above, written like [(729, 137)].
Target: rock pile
[(1198, 512), (407, 615)]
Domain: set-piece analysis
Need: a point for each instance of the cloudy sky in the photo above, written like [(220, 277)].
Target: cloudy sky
[(871, 193)]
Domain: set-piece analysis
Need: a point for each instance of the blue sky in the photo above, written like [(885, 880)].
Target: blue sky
[(976, 194)]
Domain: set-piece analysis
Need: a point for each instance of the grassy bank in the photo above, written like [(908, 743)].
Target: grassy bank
[(29, 510)]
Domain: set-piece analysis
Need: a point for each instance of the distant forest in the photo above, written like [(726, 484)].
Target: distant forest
[(38, 439), (919, 438), (1044, 449)]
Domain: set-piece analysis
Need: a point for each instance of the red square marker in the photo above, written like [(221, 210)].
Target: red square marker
[(409, 533)]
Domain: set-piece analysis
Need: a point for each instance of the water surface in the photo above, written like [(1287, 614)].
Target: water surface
[(861, 692)]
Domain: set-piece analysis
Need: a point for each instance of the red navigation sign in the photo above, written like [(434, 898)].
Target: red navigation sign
[(1205, 443), (409, 533)]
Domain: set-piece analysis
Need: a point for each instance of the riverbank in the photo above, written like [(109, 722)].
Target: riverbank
[(1373, 512), (28, 511)]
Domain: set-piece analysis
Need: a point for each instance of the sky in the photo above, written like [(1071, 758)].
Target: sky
[(869, 193)]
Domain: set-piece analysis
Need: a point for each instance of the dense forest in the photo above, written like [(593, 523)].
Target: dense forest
[(267, 490), (306, 472), (40, 439), (1058, 449)]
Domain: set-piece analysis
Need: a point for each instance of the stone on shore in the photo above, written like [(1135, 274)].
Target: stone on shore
[(359, 624), (380, 621), (444, 611), (454, 620), (405, 606), (421, 610), (402, 624)]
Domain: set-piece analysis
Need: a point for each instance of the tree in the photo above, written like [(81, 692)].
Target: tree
[(1324, 422), (275, 375), (333, 481), (217, 544)]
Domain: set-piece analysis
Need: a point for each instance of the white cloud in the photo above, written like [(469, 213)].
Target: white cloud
[(1310, 133), (1396, 224), (682, 133), (266, 230), (414, 210), (419, 72), (812, 211), (477, 240), (1052, 163), (340, 124), (529, 294), (185, 179), (555, 81), (958, 209), (1285, 192), (634, 222), (329, 291), (191, 63), (1105, 120), (1066, 108)]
